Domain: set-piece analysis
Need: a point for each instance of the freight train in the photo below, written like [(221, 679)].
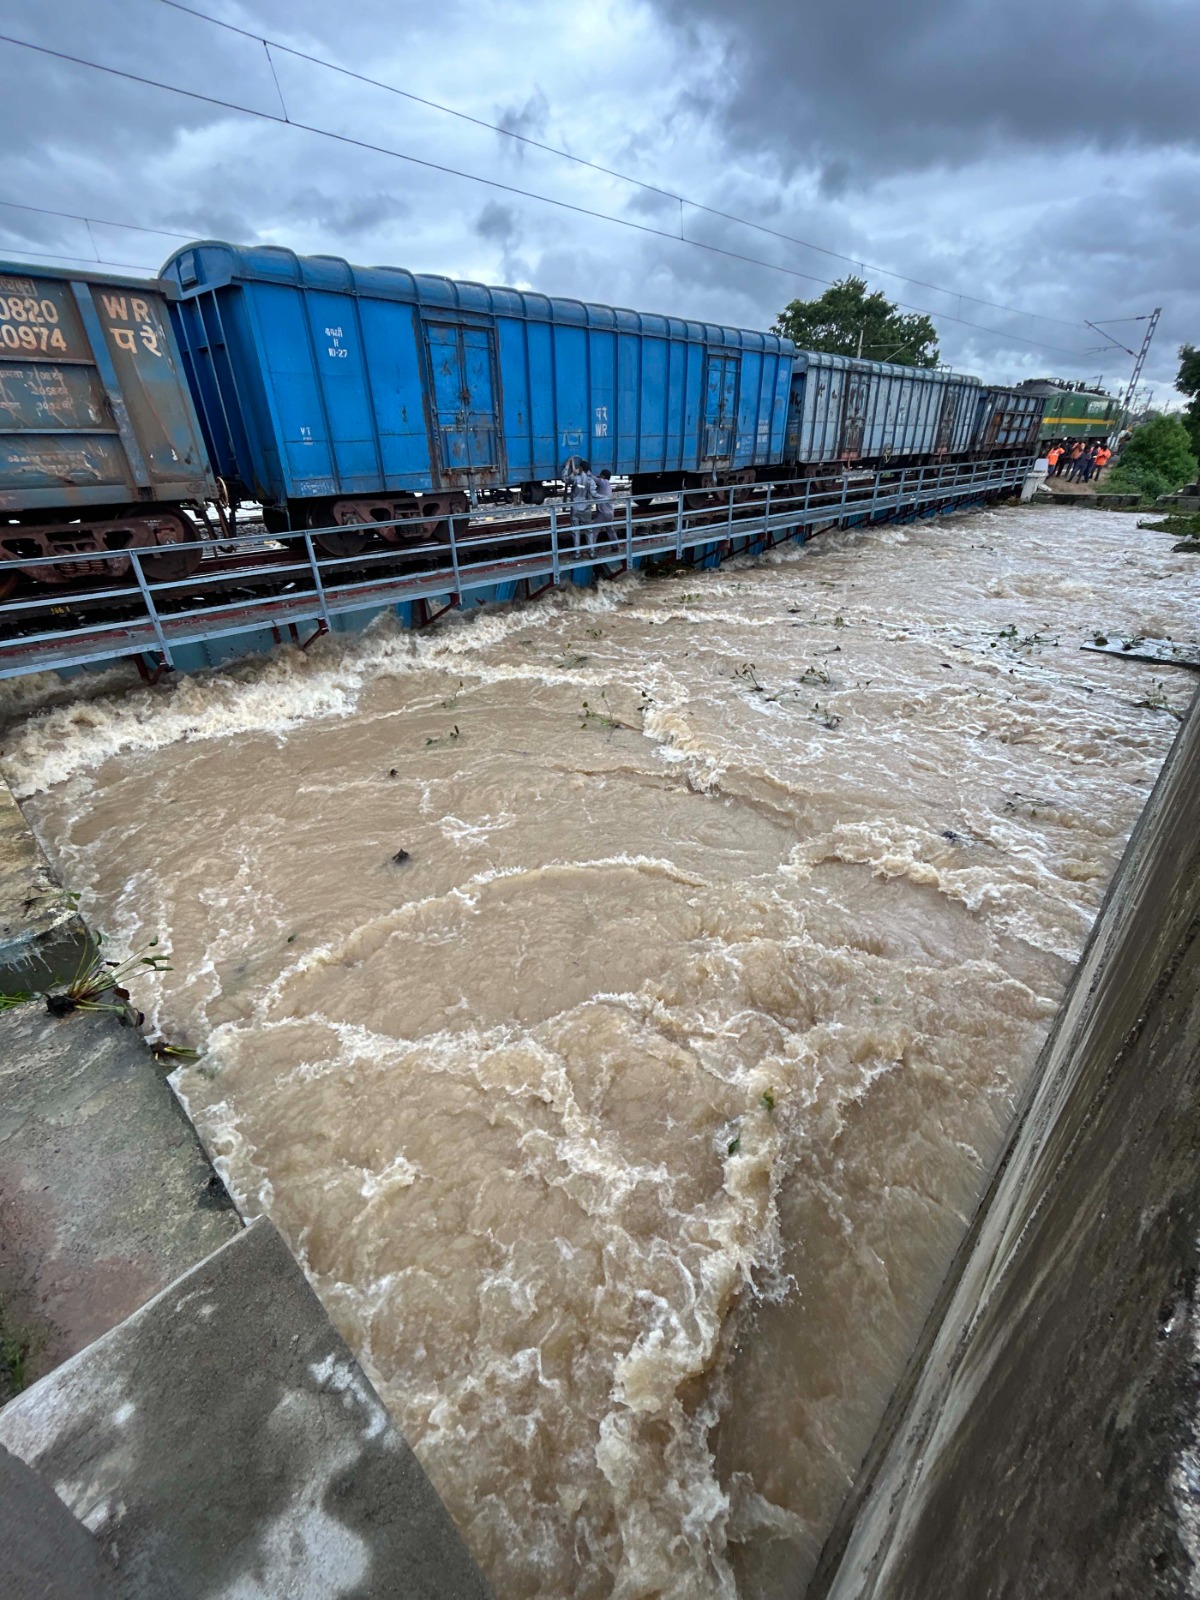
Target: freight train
[(378, 404)]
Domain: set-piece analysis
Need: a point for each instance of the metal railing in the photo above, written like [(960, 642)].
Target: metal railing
[(284, 581)]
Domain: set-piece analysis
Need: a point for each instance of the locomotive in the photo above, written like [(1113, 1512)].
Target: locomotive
[(377, 403)]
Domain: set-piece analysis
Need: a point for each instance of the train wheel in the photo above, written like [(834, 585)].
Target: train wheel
[(340, 541), (163, 561), (336, 542), (169, 566)]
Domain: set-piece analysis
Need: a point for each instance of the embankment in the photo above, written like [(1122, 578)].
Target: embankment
[(1045, 1440)]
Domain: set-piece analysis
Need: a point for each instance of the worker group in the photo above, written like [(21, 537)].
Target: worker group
[(1077, 461)]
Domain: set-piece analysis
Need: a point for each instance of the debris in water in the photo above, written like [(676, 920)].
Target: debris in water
[(398, 860)]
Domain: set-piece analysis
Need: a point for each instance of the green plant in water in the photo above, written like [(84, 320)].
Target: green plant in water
[(768, 1099), (823, 715), (99, 983), (172, 1053), (600, 719)]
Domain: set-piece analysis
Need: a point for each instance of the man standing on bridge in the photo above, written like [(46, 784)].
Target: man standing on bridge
[(602, 519), (581, 491)]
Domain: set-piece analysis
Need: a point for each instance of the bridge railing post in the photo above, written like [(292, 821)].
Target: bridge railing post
[(629, 531), (554, 543), (318, 585), (151, 609), (679, 526), (454, 555)]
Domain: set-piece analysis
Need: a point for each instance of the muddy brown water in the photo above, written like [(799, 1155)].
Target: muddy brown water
[(627, 1128)]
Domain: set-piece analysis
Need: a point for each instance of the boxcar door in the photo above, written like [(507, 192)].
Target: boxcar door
[(945, 429), (854, 414), (720, 408), (464, 397)]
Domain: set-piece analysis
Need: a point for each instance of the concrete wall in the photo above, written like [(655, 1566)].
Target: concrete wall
[(1045, 1442)]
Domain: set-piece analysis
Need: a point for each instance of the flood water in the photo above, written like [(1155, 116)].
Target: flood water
[(627, 1128)]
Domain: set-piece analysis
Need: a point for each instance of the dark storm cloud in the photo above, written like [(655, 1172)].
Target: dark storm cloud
[(498, 223), (868, 87), (528, 121)]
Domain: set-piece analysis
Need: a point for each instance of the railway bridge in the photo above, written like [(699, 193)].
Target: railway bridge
[(258, 590)]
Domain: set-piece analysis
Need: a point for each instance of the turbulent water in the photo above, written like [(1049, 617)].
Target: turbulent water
[(627, 1127)]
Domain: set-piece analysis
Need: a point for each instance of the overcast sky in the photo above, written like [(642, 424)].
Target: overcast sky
[(991, 148)]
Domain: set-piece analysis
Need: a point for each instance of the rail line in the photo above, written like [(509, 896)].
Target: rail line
[(281, 585)]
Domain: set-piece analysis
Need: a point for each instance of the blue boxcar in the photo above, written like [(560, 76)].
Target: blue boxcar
[(844, 409), (1007, 420), (325, 387)]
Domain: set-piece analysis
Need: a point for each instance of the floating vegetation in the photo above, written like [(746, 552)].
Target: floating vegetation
[(444, 738), (824, 716), (591, 718), (1019, 641)]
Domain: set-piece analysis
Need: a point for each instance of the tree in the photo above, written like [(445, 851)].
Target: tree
[(846, 314), (1188, 382), (1157, 460)]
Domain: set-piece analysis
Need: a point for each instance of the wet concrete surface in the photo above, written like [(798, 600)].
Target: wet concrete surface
[(224, 1442), (105, 1192), (1046, 1442)]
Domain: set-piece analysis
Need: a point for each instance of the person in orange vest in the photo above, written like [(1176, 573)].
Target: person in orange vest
[(1052, 456), (1075, 456), (1103, 457)]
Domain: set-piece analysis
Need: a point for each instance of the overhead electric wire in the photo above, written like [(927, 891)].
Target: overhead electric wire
[(87, 261), (493, 183), (594, 166), (103, 222)]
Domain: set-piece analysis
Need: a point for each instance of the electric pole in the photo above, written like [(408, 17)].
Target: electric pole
[(1141, 356)]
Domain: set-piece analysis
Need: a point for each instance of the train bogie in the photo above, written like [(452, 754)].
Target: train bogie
[(323, 385), (101, 447)]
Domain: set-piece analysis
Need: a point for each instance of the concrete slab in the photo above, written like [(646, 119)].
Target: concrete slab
[(45, 1552), (106, 1195), (224, 1442), (41, 936)]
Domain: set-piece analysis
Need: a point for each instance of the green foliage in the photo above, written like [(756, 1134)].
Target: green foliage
[(1188, 382), (1157, 460), (1135, 480), (834, 321), (16, 1346)]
